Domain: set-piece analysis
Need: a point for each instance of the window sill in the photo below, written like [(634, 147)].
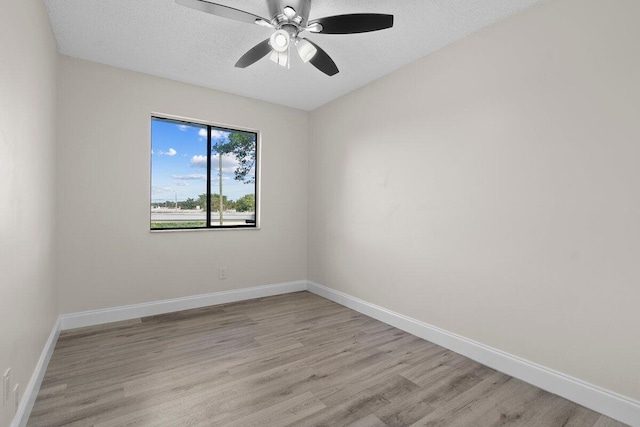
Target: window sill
[(181, 230)]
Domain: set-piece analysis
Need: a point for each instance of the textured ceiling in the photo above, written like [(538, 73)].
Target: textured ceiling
[(162, 38)]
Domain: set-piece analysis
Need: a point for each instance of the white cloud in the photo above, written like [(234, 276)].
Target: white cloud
[(169, 153), (229, 166), (183, 128), (217, 134), (201, 176), (199, 161), (227, 161), (161, 190), (182, 183)]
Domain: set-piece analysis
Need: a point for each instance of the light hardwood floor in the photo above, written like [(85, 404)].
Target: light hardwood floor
[(294, 359)]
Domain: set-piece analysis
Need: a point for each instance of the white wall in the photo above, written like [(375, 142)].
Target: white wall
[(27, 192), (493, 189), (108, 256)]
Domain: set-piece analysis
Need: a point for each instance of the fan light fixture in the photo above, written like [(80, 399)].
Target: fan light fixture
[(306, 50), (280, 58), (280, 40)]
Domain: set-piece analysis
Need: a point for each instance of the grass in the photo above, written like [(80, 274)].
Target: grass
[(181, 224)]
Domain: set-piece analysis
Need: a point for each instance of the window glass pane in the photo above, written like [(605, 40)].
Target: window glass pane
[(178, 174), (233, 176)]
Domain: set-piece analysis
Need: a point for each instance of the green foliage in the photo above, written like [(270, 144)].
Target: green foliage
[(215, 202), (181, 224), (246, 203), (242, 146), (202, 201), (188, 204)]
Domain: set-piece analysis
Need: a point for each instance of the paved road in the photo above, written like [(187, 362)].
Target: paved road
[(180, 215)]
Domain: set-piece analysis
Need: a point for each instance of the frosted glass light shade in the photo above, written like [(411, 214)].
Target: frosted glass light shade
[(306, 50), (280, 40), (280, 58)]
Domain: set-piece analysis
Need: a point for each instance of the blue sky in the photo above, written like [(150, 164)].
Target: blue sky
[(179, 163)]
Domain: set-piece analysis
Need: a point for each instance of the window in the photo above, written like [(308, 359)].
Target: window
[(202, 176)]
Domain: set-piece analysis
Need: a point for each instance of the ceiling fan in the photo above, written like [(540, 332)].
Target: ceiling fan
[(290, 18)]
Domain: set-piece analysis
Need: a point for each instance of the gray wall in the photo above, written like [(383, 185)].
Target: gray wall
[(27, 189), (108, 257), (491, 189)]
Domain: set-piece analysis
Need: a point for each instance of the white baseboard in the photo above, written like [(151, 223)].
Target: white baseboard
[(591, 396), (115, 314), (134, 311), (31, 392)]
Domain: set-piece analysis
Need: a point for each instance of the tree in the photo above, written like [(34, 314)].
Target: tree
[(246, 203), (215, 202), (242, 146), (188, 204), (202, 201)]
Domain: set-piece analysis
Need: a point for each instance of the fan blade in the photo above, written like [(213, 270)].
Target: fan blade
[(254, 54), (223, 11), (354, 23), (322, 61)]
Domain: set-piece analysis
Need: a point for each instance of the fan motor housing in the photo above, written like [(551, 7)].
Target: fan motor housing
[(276, 10)]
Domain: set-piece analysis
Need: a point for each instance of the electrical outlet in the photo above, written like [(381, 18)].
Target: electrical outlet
[(223, 272), (6, 384), (16, 398)]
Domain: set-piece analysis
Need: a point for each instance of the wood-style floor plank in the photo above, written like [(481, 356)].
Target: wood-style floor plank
[(294, 359)]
